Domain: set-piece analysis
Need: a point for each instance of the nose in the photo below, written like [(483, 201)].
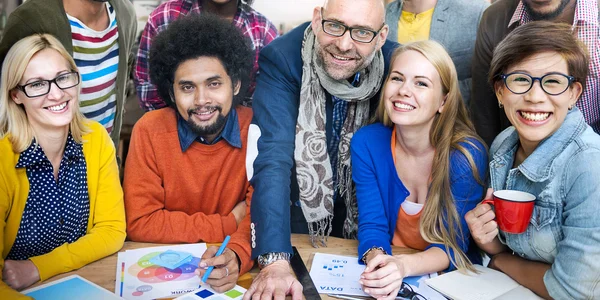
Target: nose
[(55, 92), (344, 42), (403, 89), (536, 94), (202, 97)]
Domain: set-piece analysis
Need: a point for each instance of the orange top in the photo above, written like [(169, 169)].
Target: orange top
[(407, 232), (186, 197)]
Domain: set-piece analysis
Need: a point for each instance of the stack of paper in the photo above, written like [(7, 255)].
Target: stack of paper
[(156, 272), (489, 284)]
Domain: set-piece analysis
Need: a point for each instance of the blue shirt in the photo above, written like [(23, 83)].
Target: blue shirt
[(563, 172), (230, 133), (380, 192), (56, 212)]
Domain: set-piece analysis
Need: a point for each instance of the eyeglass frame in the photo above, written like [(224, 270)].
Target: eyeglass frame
[(571, 79), (348, 28), (22, 87), (411, 295)]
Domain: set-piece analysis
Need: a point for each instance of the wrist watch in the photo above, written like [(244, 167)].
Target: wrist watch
[(271, 257)]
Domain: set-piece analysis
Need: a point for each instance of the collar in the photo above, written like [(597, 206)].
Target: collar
[(230, 133), (241, 13), (538, 166), (34, 154), (585, 12)]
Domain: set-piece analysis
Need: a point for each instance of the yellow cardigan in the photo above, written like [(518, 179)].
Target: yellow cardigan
[(106, 225)]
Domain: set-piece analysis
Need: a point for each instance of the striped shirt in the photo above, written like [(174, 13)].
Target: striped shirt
[(96, 54), (252, 24), (585, 24)]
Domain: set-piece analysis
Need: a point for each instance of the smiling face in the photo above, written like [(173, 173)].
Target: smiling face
[(203, 94), (342, 57), (55, 109), (535, 114), (413, 93)]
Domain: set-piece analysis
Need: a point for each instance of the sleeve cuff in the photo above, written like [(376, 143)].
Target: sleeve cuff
[(368, 244), (244, 255)]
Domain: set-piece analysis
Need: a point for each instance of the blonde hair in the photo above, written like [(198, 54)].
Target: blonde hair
[(13, 118), (440, 222)]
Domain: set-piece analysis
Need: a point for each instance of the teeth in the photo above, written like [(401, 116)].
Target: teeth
[(403, 106), (340, 57), (58, 107), (208, 112), (535, 116)]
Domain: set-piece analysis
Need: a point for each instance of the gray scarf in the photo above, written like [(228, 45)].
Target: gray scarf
[(313, 166)]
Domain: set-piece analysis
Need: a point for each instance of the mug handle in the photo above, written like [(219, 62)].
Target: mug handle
[(488, 201)]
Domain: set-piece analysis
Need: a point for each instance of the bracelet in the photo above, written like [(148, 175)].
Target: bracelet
[(364, 257)]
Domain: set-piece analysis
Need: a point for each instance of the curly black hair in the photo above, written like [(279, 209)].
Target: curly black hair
[(194, 36)]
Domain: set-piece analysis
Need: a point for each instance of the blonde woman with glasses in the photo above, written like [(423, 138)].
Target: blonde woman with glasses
[(61, 202), (417, 172)]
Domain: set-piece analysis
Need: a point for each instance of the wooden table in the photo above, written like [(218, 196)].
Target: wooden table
[(103, 272)]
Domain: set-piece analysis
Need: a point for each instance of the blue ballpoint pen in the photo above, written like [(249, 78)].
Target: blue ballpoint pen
[(219, 252)]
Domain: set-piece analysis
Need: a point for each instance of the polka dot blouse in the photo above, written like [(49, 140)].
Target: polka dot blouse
[(56, 211)]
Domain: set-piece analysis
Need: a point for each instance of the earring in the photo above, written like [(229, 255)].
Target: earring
[(500, 104), (571, 107)]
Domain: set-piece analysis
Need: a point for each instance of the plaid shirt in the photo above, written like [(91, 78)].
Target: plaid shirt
[(585, 23), (253, 25)]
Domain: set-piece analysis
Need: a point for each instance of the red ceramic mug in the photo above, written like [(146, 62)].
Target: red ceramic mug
[(513, 209)]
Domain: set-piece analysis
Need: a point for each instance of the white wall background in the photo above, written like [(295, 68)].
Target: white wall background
[(290, 13)]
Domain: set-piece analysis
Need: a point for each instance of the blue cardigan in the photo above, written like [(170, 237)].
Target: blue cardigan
[(380, 192)]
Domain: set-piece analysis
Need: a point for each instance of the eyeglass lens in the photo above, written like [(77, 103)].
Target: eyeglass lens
[(42, 87), (338, 29), (552, 84)]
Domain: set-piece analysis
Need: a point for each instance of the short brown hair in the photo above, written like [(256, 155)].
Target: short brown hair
[(541, 36)]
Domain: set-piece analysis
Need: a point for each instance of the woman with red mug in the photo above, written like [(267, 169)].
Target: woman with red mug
[(539, 72)]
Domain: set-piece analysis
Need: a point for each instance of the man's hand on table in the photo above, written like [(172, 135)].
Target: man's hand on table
[(20, 274), (275, 281), (226, 269)]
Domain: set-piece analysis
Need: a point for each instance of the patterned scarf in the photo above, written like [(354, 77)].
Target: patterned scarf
[(313, 166)]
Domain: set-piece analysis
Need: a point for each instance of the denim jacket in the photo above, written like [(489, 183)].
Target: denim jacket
[(564, 174)]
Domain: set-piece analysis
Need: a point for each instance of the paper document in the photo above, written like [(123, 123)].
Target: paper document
[(206, 293), (157, 272), (489, 284), (336, 274), (72, 287)]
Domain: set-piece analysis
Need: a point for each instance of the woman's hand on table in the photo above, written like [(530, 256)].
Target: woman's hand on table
[(226, 269), (383, 276), (20, 274)]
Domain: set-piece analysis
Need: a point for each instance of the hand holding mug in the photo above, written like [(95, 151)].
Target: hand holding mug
[(481, 222)]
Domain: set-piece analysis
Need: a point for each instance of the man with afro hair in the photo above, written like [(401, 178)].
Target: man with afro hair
[(185, 175), (251, 23)]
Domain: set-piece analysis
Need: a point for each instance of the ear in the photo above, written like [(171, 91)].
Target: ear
[(383, 33), (316, 19), (498, 90), (14, 95), (576, 89), (441, 108), (236, 87)]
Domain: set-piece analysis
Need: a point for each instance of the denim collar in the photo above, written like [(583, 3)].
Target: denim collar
[(230, 133), (538, 166)]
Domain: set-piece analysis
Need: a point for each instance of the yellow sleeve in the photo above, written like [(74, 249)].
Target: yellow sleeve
[(5, 199), (106, 226)]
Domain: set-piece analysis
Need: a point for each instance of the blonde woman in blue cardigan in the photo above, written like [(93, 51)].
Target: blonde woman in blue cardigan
[(417, 173)]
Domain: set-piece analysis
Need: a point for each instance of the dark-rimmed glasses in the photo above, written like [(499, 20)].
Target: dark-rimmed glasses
[(552, 83), (337, 29), (42, 87), (407, 292)]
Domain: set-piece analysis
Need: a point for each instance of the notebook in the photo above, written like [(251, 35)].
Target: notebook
[(489, 284), (72, 287)]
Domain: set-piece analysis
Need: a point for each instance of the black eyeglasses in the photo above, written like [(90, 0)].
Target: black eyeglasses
[(551, 83), (407, 292), (42, 87), (335, 28)]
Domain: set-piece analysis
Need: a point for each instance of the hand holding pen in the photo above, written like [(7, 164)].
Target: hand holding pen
[(219, 267)]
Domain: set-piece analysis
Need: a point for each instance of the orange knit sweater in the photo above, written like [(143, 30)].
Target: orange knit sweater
[(186, 197)]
